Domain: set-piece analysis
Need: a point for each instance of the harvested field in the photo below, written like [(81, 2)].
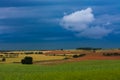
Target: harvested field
[(36, 57), (58, 56)]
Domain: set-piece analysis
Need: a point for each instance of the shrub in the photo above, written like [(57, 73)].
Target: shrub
[(116, 54), (108, 54), (27, 60), (75, 56), (81, 55), (40, 52), (3, 59), (111, 54), (23, 61)]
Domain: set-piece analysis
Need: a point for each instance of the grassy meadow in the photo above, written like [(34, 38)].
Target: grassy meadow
[(83, 70)]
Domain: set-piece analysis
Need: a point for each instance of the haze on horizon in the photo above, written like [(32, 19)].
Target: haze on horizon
[(59, 24)]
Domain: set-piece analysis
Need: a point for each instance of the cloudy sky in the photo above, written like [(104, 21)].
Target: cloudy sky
[(56, 24)]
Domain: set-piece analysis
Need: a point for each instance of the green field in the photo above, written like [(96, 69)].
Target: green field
[(84, 70)]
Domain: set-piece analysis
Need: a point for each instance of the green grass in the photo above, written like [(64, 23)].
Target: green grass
[(84, 70)]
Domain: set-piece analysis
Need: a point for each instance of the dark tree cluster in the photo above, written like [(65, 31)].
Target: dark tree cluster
[(88, 48), (27, 60)]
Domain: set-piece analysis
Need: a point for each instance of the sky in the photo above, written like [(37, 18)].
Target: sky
[(59, 24)]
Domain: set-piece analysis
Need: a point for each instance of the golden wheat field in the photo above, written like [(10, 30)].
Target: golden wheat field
[(36, 57)]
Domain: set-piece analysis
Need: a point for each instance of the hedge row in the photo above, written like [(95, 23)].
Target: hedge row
[(76, 56), (111, 54)]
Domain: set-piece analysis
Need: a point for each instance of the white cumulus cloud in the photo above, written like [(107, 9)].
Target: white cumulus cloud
[(80, 22)]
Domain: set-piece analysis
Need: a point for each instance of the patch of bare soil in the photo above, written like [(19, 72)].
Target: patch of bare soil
[(91, 56)]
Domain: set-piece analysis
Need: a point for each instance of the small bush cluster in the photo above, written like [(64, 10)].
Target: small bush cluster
[(3, 59), (76, 56), (111, 54), (27, 60), (33, 53), (38, 52)]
